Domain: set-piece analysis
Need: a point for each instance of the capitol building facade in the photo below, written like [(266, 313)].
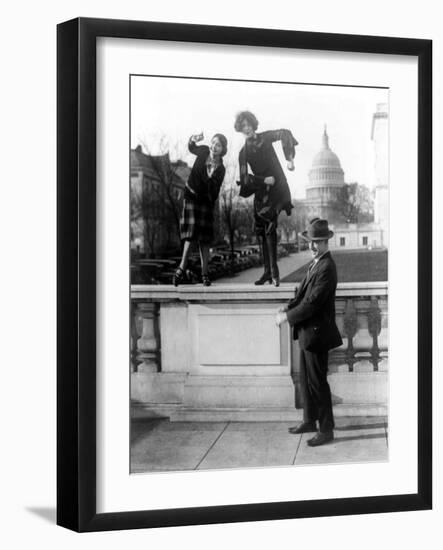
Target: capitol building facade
[(326, 178)]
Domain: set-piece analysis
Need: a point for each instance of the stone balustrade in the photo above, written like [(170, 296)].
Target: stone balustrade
[(215, 353)]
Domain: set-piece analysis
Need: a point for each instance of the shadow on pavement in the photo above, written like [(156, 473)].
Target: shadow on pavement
[(357, 437), (359, 427), (141, 428)]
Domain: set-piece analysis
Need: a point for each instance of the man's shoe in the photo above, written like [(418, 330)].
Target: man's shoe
[(321, 438), (303, 428), (276, 281)]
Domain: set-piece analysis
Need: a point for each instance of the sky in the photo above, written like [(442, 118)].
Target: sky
[(165, 112)]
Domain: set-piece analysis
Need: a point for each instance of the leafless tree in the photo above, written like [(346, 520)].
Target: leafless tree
[(237, 222), (293, 224), (163, 193), (152, 226), (287, 225), (355, 203)]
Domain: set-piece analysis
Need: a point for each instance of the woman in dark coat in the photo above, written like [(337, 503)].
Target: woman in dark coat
[(201, 192), (267, 183)]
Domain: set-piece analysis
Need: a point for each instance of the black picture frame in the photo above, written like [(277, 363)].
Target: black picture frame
[(76, 293)]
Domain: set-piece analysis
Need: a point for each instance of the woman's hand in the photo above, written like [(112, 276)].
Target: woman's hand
[(291, 166), (197, 137), (270, 180)]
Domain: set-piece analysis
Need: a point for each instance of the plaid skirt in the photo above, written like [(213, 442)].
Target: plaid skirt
[(197, 222)]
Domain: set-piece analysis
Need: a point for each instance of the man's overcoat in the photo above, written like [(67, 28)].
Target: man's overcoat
[(312, 312)]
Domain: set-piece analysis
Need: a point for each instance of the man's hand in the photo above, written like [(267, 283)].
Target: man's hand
[(281, 318), (270, 180), (291, 165)]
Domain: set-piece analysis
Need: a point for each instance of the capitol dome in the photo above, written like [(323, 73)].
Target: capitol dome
[(326, 170), (325, 158)]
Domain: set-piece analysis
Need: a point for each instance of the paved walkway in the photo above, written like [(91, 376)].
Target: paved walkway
[(161, 445), (286, 266)]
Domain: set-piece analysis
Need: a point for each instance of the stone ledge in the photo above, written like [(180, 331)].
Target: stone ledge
[(252, 392), (158, 387), (152, 411), (244, 292), (263, 414), (360, 409), (219, 380)]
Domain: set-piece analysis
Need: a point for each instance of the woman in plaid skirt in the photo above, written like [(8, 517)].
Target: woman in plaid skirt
[(201, 192)]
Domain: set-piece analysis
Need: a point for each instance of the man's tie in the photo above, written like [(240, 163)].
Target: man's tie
[(311, 266)]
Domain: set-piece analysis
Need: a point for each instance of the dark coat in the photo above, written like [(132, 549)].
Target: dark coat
[(201, 187), (312, 312), (201, 192), (260, 155)]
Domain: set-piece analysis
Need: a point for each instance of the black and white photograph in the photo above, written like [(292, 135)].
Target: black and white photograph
[(259, 243), (223, 262), (221, 255)]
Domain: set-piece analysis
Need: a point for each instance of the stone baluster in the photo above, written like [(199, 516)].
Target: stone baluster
[(363, 324), (350, 326), (148, 345), (134, 337), (363, 341), (374, 328), (383, 335)]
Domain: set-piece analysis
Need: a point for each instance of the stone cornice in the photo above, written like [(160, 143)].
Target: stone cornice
[(244, 292)]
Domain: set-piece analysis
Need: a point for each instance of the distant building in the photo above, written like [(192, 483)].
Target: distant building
[(326, 179), (356, 235), (379, 136), (157, 187)]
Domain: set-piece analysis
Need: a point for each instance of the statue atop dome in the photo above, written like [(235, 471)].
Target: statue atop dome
[(325, 139)]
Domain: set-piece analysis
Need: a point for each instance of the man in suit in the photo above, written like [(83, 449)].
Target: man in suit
[(312, 315)]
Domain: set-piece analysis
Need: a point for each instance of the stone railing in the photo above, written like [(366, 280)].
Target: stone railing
[(205, 353), (362, 318)]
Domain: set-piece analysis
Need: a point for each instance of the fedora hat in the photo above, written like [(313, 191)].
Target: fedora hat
[(318, 230)]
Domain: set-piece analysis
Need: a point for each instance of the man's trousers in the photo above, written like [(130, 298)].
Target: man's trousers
[(315, 390)]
